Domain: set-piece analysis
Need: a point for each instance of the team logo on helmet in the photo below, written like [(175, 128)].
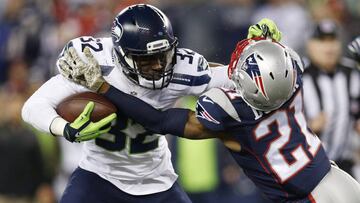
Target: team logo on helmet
[(252, 69), (117, 30)]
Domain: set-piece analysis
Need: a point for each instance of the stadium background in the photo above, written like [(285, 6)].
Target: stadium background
[(33, 32)]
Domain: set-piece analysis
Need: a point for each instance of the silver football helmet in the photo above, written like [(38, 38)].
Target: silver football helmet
[(265, 75)]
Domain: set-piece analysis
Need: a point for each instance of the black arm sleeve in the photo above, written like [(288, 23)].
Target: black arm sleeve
[(171, 121)]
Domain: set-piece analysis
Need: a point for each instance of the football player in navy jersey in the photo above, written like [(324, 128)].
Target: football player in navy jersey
[(261, 122)]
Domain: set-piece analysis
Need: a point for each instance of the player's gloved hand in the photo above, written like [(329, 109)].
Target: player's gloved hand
[(87, 74), (264, 28), (82, 129), (354, 49), (71, 67)]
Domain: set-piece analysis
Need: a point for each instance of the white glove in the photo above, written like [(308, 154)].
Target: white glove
[(87, 74)]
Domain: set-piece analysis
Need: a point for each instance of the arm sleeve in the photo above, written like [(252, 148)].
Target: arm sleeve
[(39, 109), (195, 76), (171, 121), (219, 78)]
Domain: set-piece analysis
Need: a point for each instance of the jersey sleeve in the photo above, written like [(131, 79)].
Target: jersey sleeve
[(191, 73), (215, 111), (208, 114), (193, 76), (219, 78), (39, 109)]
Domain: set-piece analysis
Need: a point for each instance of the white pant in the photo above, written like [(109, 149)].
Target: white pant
[(337, 187)]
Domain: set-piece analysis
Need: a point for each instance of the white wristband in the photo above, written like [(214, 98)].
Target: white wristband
[(57, 126)]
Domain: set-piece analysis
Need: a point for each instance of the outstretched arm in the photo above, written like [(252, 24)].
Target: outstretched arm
[(175, 121), (178, 122)]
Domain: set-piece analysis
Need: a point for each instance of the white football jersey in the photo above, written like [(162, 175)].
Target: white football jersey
[(132, 158)]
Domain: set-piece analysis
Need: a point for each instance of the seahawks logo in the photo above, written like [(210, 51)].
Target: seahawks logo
[(116, 30)]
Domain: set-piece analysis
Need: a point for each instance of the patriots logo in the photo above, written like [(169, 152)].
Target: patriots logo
[(202, 113), (252, 69), (117, 30)]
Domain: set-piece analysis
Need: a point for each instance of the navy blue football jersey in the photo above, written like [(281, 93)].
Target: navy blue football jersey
[(279, 153)]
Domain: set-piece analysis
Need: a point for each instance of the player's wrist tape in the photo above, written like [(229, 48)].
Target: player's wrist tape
[(171, 121), (57, 126)]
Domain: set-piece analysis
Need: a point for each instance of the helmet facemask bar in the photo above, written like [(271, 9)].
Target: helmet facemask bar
[(151, 70)]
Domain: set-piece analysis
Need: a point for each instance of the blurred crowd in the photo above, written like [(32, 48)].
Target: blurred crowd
[(33, 32)]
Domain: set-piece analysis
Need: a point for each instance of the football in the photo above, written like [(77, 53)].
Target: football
[(71, 107)]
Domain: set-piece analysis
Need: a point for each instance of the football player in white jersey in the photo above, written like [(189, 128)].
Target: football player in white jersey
[(127, 163)]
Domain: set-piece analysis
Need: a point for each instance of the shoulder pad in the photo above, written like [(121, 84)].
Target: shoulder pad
[(214, 110), (191, 72), (219, 97), (190, 62)]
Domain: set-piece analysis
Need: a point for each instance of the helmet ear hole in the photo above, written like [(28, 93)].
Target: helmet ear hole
[(286, 73), (271, 75)]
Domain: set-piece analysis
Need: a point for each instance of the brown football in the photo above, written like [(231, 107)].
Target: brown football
[(71, 107)]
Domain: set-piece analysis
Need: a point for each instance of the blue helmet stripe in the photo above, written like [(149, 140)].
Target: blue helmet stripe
[(190, 80)]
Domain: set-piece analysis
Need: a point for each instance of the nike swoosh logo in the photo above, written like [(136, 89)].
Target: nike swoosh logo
[(205, 99), (77, 134)]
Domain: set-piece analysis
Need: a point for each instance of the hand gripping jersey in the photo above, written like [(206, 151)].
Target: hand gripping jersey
[(131, 157), (279, 153)]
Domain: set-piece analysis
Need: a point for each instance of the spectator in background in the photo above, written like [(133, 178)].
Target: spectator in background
[(25, 172), (345, 12), (211, 28), (331, 88), (7, 23), (292, 19), (232, 23)]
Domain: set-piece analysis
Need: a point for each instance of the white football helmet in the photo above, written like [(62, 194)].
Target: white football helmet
[(264, 74)]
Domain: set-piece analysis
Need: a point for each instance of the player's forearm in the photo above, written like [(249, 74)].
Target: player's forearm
[(38, 113), (171, 121), (195, 130)]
